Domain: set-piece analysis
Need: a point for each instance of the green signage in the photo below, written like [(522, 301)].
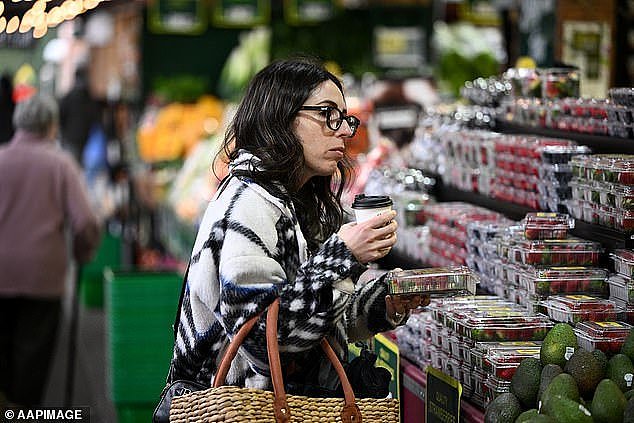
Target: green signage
[(241, 13), (389, 358), (177, 17), (298, 12), (442, 401)]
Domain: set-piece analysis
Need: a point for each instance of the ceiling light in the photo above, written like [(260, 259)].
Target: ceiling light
[(13, 25)]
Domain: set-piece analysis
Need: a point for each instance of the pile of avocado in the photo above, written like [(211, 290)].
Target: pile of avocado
[(569, 384)]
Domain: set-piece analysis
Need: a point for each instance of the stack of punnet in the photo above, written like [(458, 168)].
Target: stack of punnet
[(622, 282), (602, 190), (523, 165), (462, 327), (555, 174), (447, 223), (529, 262), (543, 261), (470, 158), (481, 251)]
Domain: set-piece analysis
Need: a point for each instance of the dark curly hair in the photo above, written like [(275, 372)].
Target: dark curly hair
[(263, 125)]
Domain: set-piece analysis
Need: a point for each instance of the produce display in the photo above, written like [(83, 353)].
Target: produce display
[(168, 132), (589, 116), (593, 382)]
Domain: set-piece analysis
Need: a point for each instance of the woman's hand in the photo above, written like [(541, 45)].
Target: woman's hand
[(397, 306), (371, 239)]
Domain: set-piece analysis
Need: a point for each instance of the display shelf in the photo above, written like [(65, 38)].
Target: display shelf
[(609, 238), (598, 143), (469, 413), (513, 211)]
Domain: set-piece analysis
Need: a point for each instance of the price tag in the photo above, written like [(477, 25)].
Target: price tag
[(569, 352), (609, 324), (442, 401)]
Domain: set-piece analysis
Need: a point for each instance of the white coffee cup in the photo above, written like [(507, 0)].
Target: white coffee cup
[(368, 206)]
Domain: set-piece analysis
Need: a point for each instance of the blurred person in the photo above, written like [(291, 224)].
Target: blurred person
[(42, 195), (78, 113), (7, 105), (275, 229), (393, 126)]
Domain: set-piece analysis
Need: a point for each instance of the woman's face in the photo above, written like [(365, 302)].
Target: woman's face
[(323, 147)]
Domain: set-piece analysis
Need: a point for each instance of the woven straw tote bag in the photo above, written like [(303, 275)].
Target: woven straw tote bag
[(236, 405)]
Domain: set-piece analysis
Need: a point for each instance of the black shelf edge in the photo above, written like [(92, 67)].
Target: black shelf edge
[(447, 193), (598, 143), (609, 238)]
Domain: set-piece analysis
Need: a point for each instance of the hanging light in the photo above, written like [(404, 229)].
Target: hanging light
[(13, 25), (40, 31), (3, 23), (1, 8), (90, 4), (39, 6), (55, 16)]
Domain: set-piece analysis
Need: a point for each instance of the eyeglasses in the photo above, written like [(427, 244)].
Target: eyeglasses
[(335, 117)]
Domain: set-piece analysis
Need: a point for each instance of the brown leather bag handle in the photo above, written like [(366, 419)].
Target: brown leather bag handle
[(350, 412)]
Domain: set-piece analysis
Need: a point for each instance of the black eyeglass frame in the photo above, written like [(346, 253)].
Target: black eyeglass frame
[(353, 121)]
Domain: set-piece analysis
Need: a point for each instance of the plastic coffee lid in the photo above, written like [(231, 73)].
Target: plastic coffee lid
[(362, 201)]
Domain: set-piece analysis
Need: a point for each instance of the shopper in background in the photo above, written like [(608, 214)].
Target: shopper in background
[(389, 137), (274, 229), (79, 112), (6, 108), (41, 196)]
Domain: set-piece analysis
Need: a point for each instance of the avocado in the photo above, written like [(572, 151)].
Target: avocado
[(608, 403), (548, 374), (505, 408), (621, 371), (629, 394), (559, 343), (540, 418), (602, 359), (562, 385), (628, 346), (628, 414), (586, 370), (565, 410), (525, 382), (526, 415)]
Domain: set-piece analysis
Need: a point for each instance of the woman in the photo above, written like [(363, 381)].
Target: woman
[(43, 198), (274, 229)]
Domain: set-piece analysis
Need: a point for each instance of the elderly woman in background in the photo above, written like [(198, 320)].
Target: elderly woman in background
[(42, 194)]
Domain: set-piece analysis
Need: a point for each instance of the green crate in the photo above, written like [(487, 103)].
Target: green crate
[(140, 309), (91, 284), (135, 413)]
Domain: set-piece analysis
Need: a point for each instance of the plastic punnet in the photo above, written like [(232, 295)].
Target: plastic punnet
[(547, 225), (438, 282)]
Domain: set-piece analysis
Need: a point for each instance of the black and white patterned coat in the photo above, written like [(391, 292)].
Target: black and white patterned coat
[(250, 250)]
